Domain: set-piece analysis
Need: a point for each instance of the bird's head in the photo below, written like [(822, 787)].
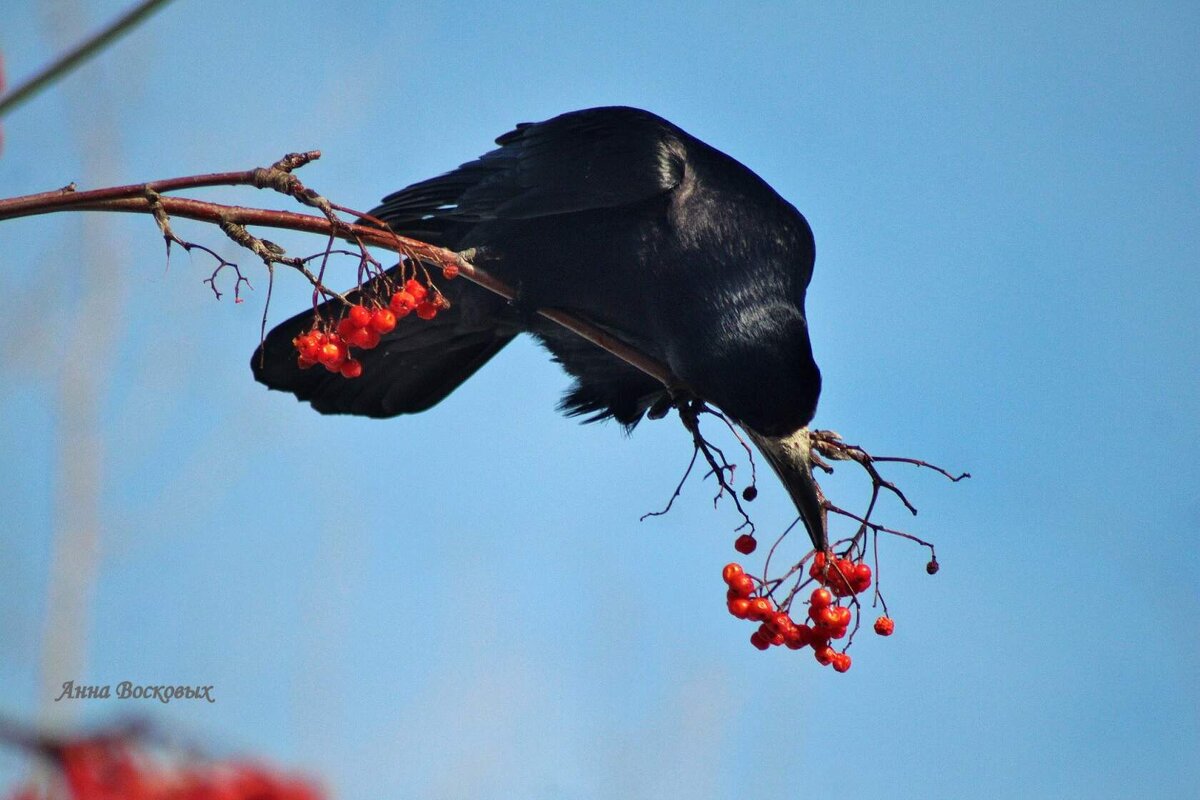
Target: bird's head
[(790, 456)]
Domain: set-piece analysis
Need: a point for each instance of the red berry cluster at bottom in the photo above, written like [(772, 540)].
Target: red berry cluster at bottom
[(827, 620), (111, 768)]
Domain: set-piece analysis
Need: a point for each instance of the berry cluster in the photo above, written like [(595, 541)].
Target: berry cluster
[(827, 620), (363, 326), (110, 768)]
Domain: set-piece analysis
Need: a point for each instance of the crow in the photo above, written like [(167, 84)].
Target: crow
[(619, 217)]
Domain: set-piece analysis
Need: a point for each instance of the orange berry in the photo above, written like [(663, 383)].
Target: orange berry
[(426, 310), (402, 303), (414, 288), (739, 607), (732, 572), (742, 585), (332, 354), (798, 636), (383, 320), (450, 271), (360, 315), (346, 328), (760, 607), (364, 338)]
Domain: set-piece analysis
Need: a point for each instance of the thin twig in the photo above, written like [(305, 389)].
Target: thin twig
[(77, 55)]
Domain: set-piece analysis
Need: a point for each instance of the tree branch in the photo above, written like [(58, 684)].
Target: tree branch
[(146, 198)]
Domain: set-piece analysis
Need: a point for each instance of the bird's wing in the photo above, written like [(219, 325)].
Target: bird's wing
[(581, 161)]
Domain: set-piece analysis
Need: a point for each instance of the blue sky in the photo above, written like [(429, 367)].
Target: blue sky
[(463, 603)]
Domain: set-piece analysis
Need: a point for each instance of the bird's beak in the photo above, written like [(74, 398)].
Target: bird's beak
[(790, 457)]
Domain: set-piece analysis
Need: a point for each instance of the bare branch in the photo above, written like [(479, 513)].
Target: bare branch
[(79, 54)]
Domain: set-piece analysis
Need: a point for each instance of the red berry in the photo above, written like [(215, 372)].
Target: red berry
[(351, 368), (827, 617), (365, 338), (427, 310), (759, 641), (841, 661), (309, 346), (732, 572), (360, 315), (414, 288), (821, 598), (304, 362), (346, 328), (798, 636), (760, 608), (739, 607), (884, 626), (745, 544), (450, 271), (779, 622), (383, 320), (743, 585), (402, 303), (932, 567), (824, 655), (332, 354)]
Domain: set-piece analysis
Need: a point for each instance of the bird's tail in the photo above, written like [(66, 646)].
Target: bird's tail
[(414, 367)]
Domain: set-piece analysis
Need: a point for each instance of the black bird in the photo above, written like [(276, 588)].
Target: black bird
[(619, 217)]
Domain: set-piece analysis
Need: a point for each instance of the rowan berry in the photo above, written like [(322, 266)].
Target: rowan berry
[(414, 288), (745, 544), (884, 626), (332, 354), (383, 320), (743, 585), (739, 607), (798, 636), (760, 607), (821, 598), (360, 315), (779, 622), (365, 338), (351, 368), (841, 661), (402, 303), (732, 572), (346, 328), (427, 310)]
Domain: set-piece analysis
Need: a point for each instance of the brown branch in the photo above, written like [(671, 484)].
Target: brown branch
[(144, 198)]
